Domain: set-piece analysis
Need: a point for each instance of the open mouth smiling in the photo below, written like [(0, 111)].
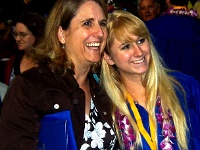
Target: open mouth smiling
[(138, 61), (93, 44)]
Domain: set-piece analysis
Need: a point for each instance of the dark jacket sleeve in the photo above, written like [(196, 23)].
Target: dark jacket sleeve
[(28, 100), (18, 119)]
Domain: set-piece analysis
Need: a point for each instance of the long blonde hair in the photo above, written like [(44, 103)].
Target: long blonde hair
[(121, 24)]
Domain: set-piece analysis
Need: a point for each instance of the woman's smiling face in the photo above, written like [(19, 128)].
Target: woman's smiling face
[(131, 58), (24, 38), (86, 36)]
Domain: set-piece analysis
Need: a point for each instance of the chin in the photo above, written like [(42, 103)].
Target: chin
[(142, 71), (95, 59)]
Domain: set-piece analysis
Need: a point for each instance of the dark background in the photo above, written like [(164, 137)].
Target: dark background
[(9, 9)]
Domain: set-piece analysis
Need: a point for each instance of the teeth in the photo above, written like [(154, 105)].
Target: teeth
[(138, 61), (92, 44)]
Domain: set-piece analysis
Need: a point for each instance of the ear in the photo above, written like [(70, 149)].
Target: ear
[(61, 36), (108, 59)]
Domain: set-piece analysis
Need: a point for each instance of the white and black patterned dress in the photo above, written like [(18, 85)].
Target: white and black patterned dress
[(97, 134)]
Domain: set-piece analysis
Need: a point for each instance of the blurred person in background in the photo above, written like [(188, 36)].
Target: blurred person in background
[(148, 9), (176, 35), (28, 31)]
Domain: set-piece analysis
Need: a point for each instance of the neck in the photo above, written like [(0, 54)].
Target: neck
[(81, 71), (81, 76), (138, 93)]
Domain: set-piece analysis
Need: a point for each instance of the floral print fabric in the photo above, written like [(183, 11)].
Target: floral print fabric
[(97, 134)]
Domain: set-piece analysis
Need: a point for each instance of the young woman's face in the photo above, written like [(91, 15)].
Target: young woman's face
[(24, 38), (131, 58), (86, 37)]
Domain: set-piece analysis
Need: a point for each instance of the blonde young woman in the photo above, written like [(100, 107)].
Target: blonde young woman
[(153, 107)]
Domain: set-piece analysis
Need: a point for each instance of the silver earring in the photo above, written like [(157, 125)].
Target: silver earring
[(63, 46)]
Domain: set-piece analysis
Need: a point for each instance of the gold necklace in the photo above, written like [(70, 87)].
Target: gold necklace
[(149, 138)]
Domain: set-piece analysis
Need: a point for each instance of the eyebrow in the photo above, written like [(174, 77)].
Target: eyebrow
[(122, 44), (104, 20), (92, 19)]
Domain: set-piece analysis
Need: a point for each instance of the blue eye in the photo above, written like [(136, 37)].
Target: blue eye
[(140, 41)]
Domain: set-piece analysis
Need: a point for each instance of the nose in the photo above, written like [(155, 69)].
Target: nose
[(18, 38), (146, 9), (137, 51), (98, 31)]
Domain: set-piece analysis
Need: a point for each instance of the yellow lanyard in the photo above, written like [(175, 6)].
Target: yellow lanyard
[(150, 139)]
